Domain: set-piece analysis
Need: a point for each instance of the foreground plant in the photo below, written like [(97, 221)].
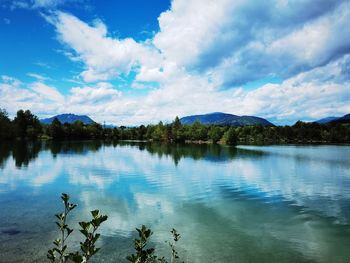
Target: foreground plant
[(174, 254), (147, 255), (88, 229), (143, 254)]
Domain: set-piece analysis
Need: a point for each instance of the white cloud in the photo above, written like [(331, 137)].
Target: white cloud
[(263, 45), (99, 94), (20, 4), (204, 53), (35, 4), (318, 93), (37, 76), (230, 42), (47, 92), (189, 27), (46, 3), (104, 57), (45, 100), (14, 96)]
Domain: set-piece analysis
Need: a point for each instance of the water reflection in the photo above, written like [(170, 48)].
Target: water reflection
[(251, 204), (5, 152), (211, 152), (76, 147), (24, 152)]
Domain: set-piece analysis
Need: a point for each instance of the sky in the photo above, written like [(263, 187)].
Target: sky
[(138, 62)]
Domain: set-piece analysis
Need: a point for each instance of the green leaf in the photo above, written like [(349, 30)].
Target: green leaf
[(69, 231), (60, 216), (84, 232), (59, 225), (65, 197), (57, 242), (95, 213), (104, 218), (64, 248), (71, 206)]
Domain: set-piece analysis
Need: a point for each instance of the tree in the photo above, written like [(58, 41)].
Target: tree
[(94, 130), (27, 125), (20, 124), (141, 133), (177, 130), (159, 132), (214, 134), (5, 125), (79, 130), (230, 136), (198, 131), (56, 129)]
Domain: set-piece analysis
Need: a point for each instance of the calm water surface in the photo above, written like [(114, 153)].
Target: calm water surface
[(244, 204)]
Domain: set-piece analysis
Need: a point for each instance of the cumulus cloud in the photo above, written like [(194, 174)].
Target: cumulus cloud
[(104, 57), (102, 92), (16, 95), (243, 41), (47, 92), (310, 95), (45, 100), (204, 54), (230, 42), (320, 92)]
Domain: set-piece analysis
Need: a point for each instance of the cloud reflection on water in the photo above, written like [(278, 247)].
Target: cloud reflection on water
[(290, 197)]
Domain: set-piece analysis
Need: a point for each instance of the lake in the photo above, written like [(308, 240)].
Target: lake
[(243, 204)]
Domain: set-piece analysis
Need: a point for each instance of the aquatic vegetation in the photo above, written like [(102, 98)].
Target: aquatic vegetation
[(88, 248), (88, 229)]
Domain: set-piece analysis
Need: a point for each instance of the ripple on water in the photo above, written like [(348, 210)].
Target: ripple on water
[(10, 231), (263, 204)]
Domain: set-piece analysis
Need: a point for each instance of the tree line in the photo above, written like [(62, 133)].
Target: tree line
[(26, 125)]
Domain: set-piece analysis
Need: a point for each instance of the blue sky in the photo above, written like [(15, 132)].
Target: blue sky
[(133, 62)]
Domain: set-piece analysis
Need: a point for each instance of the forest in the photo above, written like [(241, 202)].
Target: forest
[(27, 126)]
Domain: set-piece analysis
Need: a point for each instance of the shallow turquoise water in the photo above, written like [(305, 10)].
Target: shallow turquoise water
[(249, 204)]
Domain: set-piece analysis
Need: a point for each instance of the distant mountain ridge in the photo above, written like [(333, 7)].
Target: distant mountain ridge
[(345, 118), (69, 118), (225, 119), (326, 120)]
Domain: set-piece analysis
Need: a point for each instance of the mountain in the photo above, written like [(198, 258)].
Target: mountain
[(69, 118), (326, 120), (225, 119), (345, 118)]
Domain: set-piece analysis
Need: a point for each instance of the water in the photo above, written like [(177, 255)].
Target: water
[(249, 204)]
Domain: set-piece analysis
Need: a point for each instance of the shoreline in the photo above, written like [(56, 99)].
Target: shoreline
[(188, 142)]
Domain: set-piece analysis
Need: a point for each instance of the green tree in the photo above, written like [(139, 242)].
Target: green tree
[(159, 133), (198, 131), (214, 133), (141, 132), (5, 125), (27, 125), (55, 129), (230, 136), (177, 130)]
